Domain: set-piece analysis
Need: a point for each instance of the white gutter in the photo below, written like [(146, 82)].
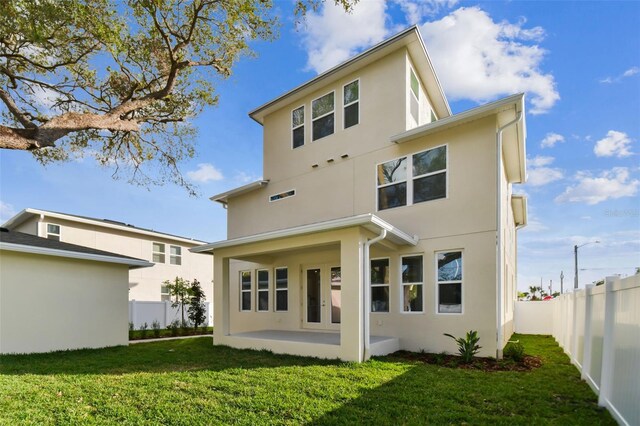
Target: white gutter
[(396, 235), (499, 337), (367, 294), (134, 263), (224, 197)]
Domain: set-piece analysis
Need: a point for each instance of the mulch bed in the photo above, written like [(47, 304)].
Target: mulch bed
[(479, 363)]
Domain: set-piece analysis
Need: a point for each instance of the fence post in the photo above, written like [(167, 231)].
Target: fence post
[(588, 312), (166, 313), (606, 377), (134, 316), (574, 336)]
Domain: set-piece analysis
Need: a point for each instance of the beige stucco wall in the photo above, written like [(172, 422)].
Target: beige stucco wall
[(52, 303), (144, 282)]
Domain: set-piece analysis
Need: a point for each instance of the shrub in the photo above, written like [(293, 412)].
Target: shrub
[(197, 309), (174, 327), (143, 330), (467, 348), (131, 328), (156, 328), (514, 351)]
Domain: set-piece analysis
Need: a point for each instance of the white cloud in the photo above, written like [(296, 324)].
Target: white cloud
[(6, 211), (333, 36), (551, 139), (614, 183), (479, 59), (614, 144), (204, 173), (540, 161), (244, 178), (628, 73), (539, 174)]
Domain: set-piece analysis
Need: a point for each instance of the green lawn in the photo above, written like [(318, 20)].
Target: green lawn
[(192, 382)]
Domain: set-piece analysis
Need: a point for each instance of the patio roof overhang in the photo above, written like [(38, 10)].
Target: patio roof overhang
[(368, 221)]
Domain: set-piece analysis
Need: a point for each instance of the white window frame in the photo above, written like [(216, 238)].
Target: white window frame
[(259, 290), (416, 97), (406, 180), (344, 106), (282, 198), (333, 111), (242, 291), (276, 289), (164, 293), (402, 285), (410, 178), (462, 256), (177, 256), (162, 253), (304, 120), (388, 285), (59, 234)]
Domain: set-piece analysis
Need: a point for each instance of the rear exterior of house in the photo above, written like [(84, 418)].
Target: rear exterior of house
[(169, 253), (382, 222)]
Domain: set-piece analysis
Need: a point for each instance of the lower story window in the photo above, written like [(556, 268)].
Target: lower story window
[(380, 285), (245, 290), (412, 283), (263, 290), (449, 278), (282, 289)]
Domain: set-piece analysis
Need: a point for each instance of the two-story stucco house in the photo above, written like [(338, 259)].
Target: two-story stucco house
[(383, 221), (169, 253)]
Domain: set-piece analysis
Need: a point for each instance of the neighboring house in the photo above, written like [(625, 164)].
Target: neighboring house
[(169, 253), (59, 296), (383, 221)]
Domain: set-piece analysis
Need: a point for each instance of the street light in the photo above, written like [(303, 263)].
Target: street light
[(575, 255)]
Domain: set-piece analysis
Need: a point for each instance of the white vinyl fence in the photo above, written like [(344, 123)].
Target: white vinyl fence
[(141, 312), (599, 328)]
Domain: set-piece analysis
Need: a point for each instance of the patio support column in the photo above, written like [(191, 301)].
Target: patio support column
[(221, 300), (351, 327)]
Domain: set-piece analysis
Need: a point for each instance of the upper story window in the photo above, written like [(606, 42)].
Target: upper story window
[(351, 100), (414, 97), (412, 179), (297, 126), (175, 255), (158, 252), (280, 196), (53, 231), (322, 114)]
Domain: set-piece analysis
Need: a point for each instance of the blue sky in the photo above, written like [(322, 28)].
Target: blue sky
[(578, 62)]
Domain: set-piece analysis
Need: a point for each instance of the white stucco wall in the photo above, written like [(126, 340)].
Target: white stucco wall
[(52, 303)]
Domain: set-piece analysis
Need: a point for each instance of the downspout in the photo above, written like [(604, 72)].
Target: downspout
[(499, 247), (367, 294)]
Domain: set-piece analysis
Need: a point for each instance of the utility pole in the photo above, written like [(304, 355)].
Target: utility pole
[(550, 287), (561, 284), (575, 256)]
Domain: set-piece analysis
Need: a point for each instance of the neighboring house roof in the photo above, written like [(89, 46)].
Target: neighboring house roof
[(409, 38), (507, 109), (223, 198), (368, 221), (27, 243), (106, 223)]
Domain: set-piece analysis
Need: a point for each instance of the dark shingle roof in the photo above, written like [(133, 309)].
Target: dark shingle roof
[(20, 238)]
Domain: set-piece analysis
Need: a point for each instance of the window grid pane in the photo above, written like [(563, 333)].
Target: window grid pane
[(351, 92), (449, 277), (433, 160), (323, 126), (351, 115), (322, 105)]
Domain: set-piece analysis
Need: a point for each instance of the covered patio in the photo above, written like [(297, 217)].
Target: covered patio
[(329, 254)]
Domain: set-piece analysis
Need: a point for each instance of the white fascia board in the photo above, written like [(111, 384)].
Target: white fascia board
[(519, 206), (407, 38), (223, 198), (360, 220), (515, 102), (132, 263), (22, 216)]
